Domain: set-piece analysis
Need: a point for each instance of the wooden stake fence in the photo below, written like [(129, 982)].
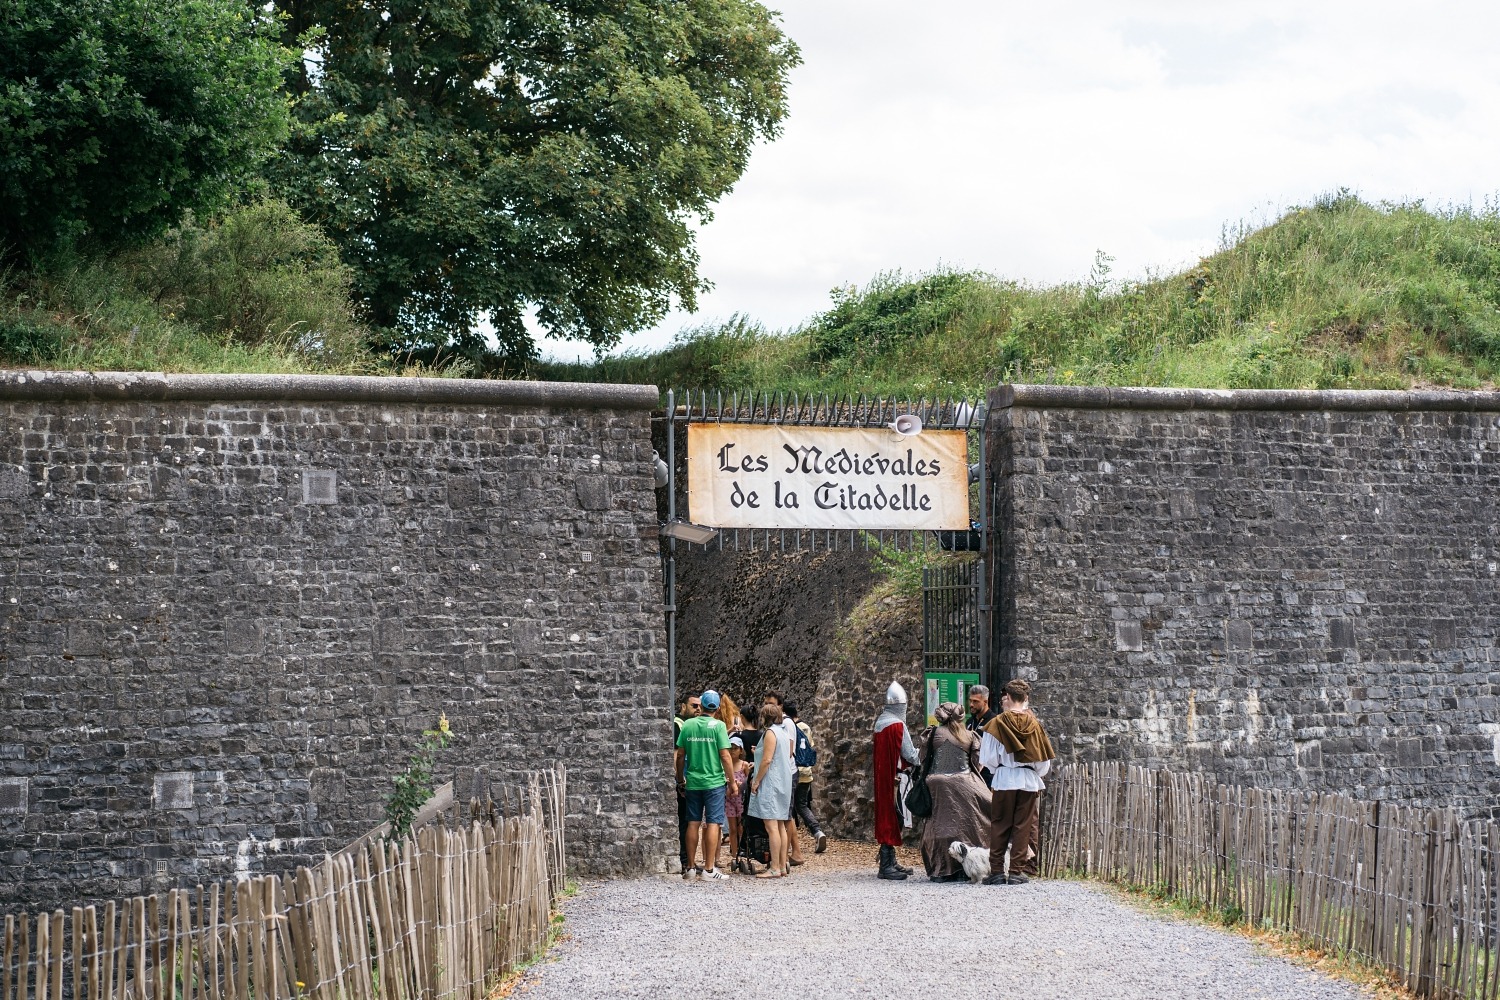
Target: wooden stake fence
[(1414, 891), (438, 917)]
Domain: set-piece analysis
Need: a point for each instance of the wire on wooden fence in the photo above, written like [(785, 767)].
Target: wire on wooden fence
[(1414, 891), (439, 916)]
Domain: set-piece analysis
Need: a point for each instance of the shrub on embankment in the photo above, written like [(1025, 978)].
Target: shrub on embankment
[(253, 290), (1340, 294)]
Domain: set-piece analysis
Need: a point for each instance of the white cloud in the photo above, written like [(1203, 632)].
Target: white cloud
[(1019, 139)]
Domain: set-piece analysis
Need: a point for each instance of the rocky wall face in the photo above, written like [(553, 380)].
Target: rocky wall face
[(750, 622), (223, 627), (1300, 597)]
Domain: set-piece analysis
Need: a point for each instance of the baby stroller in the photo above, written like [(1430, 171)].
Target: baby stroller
[(755, 844)]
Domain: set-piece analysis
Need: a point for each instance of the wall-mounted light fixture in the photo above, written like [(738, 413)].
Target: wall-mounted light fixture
[(683, 531), (659, 470)]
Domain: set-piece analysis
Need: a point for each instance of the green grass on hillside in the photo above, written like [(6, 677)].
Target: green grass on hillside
[(1339, 294), (1342, 294), (256, 291)]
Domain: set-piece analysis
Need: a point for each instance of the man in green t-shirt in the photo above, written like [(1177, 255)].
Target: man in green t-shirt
[(703, 767)]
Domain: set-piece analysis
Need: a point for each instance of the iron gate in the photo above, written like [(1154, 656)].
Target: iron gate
[(968, 615), (952, 629)]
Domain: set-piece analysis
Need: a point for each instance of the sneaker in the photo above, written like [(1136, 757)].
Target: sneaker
[(999, 879), (822, 843), (696, 873), (714, 875)]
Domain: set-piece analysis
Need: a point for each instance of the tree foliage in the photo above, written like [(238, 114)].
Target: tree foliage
[(117, 116), (485, 158)]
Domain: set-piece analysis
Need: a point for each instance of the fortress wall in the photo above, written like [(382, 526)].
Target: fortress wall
[(229, 605), (1274, 588)]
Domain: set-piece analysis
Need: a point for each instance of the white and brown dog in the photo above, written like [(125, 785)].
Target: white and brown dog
[(975, 860)]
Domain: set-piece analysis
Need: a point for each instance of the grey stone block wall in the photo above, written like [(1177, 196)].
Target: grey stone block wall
[(229, 607), (1278, 589)]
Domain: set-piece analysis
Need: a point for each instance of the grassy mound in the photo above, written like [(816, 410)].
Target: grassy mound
[(257, 290), (1342, 294)]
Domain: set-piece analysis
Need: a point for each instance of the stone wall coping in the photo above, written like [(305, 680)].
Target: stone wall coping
[(1083, 397), (161, 387)]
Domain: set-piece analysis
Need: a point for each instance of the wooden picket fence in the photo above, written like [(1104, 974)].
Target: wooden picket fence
[(1414, 891), (439, 916)]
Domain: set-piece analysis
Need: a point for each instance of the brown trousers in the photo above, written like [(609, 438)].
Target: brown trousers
[(1013, 827)]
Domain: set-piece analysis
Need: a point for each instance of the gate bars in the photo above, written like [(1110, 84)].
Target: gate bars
[(824, 410), (952, 627)]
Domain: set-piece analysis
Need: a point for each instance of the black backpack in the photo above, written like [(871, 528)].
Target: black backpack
[(804, 754)]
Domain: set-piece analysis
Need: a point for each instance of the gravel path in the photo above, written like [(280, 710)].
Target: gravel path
[(840, 932)]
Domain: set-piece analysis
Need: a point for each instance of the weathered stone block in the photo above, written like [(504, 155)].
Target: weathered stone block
[(1341, 634), (14, 795), (320, 486), (172, 790), (14, 483), (593, 492)]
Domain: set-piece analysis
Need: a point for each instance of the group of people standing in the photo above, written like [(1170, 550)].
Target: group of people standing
[(984, 775), (732, 764)]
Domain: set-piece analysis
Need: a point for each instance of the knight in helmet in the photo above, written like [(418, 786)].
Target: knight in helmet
[(894, 752)]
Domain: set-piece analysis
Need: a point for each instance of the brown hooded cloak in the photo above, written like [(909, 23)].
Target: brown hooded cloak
[(1022, 735)]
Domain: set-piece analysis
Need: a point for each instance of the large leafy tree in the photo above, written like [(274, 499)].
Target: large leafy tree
[(482, 159), (117, 116)]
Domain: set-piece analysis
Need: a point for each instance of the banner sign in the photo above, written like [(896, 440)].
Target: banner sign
[(790, 476)]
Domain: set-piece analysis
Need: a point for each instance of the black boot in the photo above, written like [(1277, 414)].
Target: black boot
[(888, 867)]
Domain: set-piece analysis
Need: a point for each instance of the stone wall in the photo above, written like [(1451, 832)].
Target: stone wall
[(1276, 588), (229, 606)]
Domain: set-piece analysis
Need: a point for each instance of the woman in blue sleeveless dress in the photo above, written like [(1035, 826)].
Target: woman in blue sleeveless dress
[(771, 788)]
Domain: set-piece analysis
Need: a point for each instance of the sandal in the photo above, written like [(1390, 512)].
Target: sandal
[(770, 874)]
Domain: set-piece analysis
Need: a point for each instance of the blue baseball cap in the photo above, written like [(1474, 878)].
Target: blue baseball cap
[(709, 700)]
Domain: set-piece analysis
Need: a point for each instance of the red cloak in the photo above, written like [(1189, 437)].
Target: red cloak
[(887, 762)]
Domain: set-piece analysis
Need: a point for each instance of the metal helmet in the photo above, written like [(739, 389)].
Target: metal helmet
[(895, 694)]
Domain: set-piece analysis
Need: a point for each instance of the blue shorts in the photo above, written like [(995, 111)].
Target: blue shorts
[(706, 805)]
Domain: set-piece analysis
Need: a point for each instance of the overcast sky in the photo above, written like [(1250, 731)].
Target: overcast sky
[(1019, 139)]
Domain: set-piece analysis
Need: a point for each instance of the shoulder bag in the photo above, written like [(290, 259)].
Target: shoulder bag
[(919, 796)]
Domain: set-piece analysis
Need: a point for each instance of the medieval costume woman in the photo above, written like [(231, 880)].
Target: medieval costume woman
[(960, 799)]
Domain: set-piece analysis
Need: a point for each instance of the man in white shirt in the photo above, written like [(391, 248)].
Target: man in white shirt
[(1015, 747)]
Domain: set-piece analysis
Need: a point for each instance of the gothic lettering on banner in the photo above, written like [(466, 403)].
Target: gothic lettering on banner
[(871, 478)]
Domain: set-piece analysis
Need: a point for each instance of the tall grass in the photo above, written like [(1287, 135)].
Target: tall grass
[(255, 291), (1340, 294)]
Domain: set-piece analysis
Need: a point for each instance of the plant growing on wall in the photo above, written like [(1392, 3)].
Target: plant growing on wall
[(414, 785)]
